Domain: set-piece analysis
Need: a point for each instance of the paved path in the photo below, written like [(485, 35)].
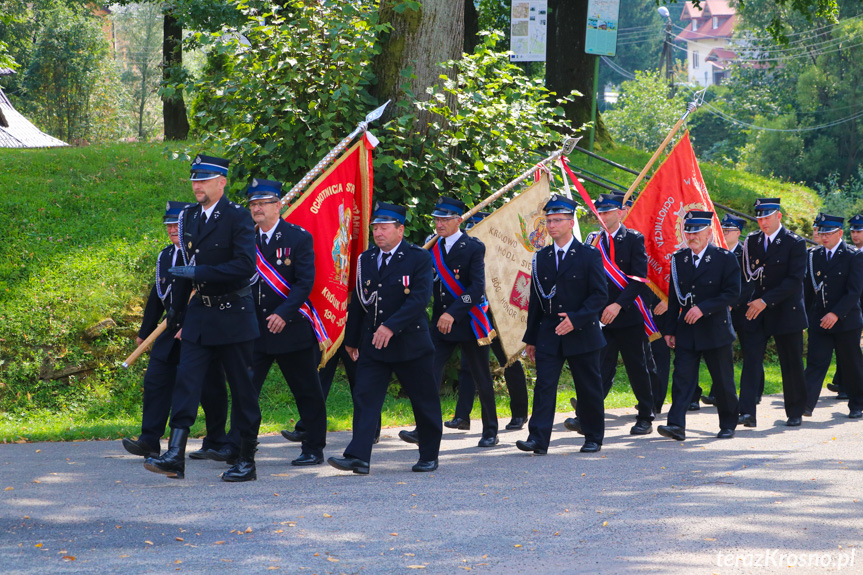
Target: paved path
[(642, 505)]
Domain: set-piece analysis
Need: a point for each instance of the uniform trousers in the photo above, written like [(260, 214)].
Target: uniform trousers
[(516, 384), (236, 360), (588, 387), (477, 358), (720, 364), (848, 357), (158, 389), (658, 356), (629, 343), (417, 380), (300, 370), (789, 347)]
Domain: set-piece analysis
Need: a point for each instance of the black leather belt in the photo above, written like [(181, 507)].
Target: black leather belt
[(223, 300)]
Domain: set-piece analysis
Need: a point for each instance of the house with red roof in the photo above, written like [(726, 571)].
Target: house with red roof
[(707, 34)]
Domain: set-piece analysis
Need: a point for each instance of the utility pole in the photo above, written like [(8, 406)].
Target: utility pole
[(667, 58)]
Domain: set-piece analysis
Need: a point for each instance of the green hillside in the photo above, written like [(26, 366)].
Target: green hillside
[(81, 230)]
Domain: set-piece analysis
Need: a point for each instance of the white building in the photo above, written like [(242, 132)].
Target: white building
[(707, 32)]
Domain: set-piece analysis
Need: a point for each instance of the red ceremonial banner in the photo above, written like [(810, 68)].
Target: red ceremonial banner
[(676, 188), (336, 210)]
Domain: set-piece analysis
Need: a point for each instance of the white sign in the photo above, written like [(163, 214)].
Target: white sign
[(601, 35), (528, 31)]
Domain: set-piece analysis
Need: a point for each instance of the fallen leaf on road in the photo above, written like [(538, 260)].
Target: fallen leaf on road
[(333, 559), (68, 557), (148, 542), (220, 542), (177, 562), (38, 545), (415, 566), (517, 545), (178, 539), (605, 523), (9, 489), (327, 515), (394, 534), (280, 531), (248, 530)]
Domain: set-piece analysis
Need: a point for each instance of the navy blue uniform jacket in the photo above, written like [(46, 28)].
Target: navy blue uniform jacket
[(631, 258), (224, 259), (714, 286), (166, 348), (781, 286), (841, 281), (405, 314), (467, 259), (298, 269), (581, 294)]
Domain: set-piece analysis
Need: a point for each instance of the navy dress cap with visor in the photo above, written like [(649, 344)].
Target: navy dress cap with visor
[(389, 214), (856, 223), (696, 220), (261, 189), (828, 223), (608, 202), (449, 208), (208, 167), (767, 206), (559, 205), (172, 212), (732, 222), (475, 219)]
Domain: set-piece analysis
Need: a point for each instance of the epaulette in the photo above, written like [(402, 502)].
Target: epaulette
[(168, 247), (794, 236), (753, 233), (852, 248), (634, 231), (723, 250), (416, 247), (590, 246)]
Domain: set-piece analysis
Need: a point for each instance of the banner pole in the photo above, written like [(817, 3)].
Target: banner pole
[(699, 98), (567, 148), (332, 155)]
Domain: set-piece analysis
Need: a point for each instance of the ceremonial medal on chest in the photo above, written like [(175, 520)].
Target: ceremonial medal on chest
[(283, 253), (456, 273), (190, 245), (406, 281)]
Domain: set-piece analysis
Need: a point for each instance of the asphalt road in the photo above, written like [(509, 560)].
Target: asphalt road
[(769, 498)]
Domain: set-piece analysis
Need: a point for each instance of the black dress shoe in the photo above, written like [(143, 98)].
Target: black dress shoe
[(349, 464), (489, 441), (295, 436), (725, 434), (590, 447), (516, 423), (424, 466), (794, 421), (141, 448), (672, 432), (641, 427), (307, 459), (747, 420), (833, 387), (457, 423), (708, 400), (377, 439), (409, 436), (574, 403), (227, 454), (693, 406), (856, 414), (573, 424), (807, 412), (530, 445), (842, 396)]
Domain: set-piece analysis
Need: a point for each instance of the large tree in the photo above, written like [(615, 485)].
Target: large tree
[(421, 37)]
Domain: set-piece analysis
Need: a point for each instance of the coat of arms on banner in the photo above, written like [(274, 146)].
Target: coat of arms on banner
[(534, 235), (520, 296)]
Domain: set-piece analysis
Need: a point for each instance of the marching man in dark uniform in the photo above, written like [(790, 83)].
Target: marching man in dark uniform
[(217, 241), (286, 275), (516, 383), (774, 261), (169, 296), (732, 226), (855, 225), (388, 331), (705, 282), (568, 292), (834, 282), (623, 323), (459, 308)]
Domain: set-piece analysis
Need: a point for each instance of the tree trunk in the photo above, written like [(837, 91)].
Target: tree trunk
[(471, 26), (568, 67), (174, 108), (420, 39)]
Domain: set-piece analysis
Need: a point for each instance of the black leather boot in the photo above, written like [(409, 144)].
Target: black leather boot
[(173, 462), (244, 469)]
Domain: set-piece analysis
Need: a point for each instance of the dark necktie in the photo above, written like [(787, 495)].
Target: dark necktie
[(559, 258), (384, 260), (695, 260), (203, 222), (766, 242), (829, 255)]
